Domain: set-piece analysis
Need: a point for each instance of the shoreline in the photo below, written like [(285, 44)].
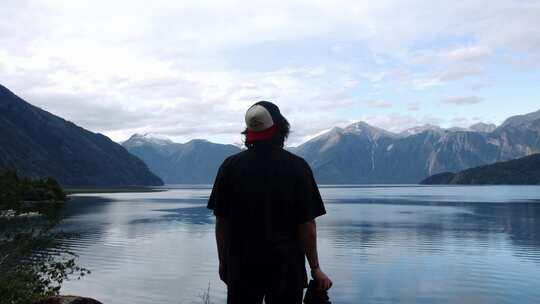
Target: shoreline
[(90, 190)]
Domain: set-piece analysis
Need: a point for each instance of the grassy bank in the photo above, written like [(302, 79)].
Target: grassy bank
[(111, 190)]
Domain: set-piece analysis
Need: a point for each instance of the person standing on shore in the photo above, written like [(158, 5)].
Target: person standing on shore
[(265, 200)]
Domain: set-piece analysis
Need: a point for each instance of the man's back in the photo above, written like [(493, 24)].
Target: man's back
[(264, 193), (265, 200)]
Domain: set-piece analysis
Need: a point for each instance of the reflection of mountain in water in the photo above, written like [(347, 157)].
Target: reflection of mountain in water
[(380, 244), (427, 226), (520, 223), (190, 215)]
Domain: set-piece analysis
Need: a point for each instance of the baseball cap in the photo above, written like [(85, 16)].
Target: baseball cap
[(262, 115)]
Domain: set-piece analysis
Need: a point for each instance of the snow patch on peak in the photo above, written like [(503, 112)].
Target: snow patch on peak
[(360, 127), (483, 127), (364, 128), (197, 141), (149, 138), (332, 138), (421, 129)]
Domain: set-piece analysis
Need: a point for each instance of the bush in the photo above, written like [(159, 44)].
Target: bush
[(28, 268)]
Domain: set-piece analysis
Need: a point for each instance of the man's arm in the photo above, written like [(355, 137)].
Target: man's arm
[(221, 241), (307, 233)]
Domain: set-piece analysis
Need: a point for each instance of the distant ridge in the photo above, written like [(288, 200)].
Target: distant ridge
[(194, 162), (364, 154), (37, 143), (522, 171), (359, 153)]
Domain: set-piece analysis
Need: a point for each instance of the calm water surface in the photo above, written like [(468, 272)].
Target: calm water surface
[(380, 244)]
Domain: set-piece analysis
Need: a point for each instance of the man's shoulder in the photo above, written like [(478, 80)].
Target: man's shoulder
[(297, 162), (294, 158), (294, 161), (234, 158)]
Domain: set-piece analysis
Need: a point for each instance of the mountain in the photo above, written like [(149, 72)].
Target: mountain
[(483, 127), (361, 153), (421, 129), (38, 144), (522, 171), (194, 162), (520, 120), (340, 154)]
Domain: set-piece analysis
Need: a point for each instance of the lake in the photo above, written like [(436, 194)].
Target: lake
[(379, 244)]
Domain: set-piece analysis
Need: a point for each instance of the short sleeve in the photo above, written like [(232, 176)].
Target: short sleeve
[(309, 203), (218, 200)]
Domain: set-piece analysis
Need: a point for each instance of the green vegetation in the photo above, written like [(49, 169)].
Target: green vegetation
[(21, 194), (29, 211), (133, 189)]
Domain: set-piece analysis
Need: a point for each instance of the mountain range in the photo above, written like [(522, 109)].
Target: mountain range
[(38, 144), (194, 162), (521, 171), (360, 153)]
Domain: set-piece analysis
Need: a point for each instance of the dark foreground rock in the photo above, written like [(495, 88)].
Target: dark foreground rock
[(67, 300)]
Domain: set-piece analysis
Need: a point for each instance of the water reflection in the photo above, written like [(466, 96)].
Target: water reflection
[(380, 244), (397, 251), (190, 215)]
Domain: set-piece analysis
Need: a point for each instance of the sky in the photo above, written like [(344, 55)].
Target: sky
[(190, 69)]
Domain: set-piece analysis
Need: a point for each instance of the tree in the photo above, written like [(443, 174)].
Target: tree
[(29, 210)]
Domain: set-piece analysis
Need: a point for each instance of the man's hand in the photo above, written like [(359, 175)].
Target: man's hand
[(307, 234), (323, 281), (223, 273)]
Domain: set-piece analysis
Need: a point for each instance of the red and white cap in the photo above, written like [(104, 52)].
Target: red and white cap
[(258, 118), (261, 119)]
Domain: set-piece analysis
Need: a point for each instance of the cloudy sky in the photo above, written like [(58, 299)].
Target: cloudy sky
[(189, 69)]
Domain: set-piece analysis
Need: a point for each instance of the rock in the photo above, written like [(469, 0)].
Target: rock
[(67, 300)]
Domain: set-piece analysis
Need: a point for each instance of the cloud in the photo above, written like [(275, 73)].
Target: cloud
[(462, 100), (398, 122), (460, 72), (413, 106), (378, 103), (191, 68), (461, 122), (466, 54)]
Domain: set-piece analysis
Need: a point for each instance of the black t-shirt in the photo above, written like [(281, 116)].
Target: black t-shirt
[(264, 193)]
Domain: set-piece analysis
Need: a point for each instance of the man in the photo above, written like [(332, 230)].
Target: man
[(265, 200)]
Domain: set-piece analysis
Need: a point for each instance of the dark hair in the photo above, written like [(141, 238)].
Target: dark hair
[(282, 132)]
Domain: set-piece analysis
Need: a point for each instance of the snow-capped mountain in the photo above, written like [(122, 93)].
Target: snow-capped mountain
[(194, 162), (483, 127), (361, 153), (148, 138), (420, 129)]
